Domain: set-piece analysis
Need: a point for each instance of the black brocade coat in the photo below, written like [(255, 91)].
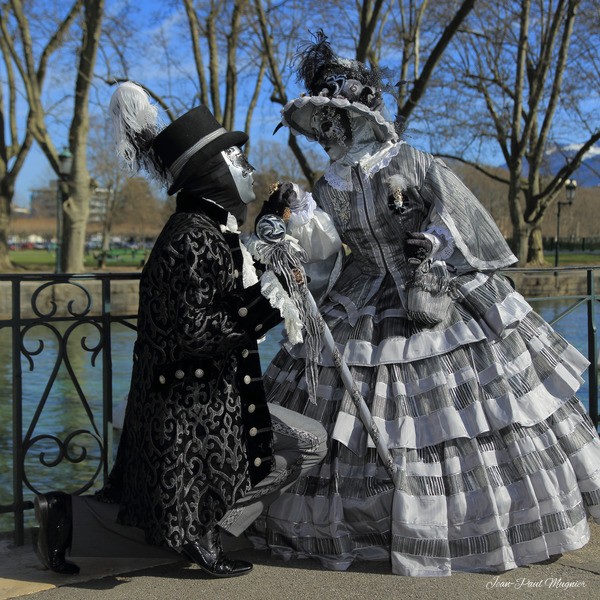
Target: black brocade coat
[(197, 431)]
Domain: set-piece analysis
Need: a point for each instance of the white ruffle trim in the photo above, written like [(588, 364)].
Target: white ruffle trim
[(339, 176), (476, 419), (279, 299), (446, 247), (249, 276)]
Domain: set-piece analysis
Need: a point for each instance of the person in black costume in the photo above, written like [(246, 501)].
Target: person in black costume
[(200, 452)]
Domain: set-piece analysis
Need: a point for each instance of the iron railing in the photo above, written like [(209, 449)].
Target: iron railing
[(41, 323), (51, 320)]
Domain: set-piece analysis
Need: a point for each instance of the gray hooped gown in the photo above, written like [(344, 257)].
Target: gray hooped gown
[(499, 462)]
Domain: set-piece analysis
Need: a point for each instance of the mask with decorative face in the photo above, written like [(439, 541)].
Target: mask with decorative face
[(331, 128), (241, 172)]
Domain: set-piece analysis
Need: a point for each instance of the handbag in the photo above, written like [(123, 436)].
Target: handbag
[(429, 293)]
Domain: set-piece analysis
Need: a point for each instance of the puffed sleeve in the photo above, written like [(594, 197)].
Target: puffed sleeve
[(313, 228)]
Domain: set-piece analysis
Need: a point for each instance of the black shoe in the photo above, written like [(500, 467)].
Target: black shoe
[(53, 513), (208, 554)]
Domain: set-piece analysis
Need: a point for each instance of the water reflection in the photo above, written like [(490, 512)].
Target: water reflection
[(62, 405)]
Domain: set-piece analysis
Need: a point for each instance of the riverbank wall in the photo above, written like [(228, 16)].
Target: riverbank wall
[(82, 297), (544, 284), (72, 298)]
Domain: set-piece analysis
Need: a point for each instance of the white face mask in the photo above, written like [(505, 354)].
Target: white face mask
[(332, 131), (241, 171)]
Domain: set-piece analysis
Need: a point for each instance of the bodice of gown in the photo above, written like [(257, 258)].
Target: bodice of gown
[(374, 232), (360, 209)]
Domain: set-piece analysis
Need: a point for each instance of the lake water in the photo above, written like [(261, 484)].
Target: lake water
[(63, 411)]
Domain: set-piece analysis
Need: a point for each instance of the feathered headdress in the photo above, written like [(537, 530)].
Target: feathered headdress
[(174, 153), (341, 84), (135, 126), (326, 74)]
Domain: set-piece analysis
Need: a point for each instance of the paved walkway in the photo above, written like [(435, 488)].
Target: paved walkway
[(575, 576)]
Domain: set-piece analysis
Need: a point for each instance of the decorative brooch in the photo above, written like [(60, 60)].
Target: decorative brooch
[(396, 184)]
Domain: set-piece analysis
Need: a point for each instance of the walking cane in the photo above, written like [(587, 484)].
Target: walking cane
[(277, 252)]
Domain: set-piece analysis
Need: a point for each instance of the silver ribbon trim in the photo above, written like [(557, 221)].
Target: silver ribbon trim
[(179, 163)]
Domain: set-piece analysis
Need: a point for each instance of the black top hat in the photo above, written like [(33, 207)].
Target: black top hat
[(191, 140)]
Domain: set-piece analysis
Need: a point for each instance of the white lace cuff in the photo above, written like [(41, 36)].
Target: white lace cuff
[(303, 210), (442, 240), (279, 299)]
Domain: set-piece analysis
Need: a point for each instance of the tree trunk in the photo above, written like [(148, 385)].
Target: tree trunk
[(535, 253), (106, 229), (76, 208), (521, 241), (5, 262), (75, 216)]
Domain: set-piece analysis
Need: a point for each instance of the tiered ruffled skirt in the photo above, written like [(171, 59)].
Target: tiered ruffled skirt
[(497, 462)]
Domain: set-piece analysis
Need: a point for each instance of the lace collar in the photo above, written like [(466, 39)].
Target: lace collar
[(339, 175)]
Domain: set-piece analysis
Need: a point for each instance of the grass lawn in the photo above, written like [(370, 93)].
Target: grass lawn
[(45, 260), (573, 259)]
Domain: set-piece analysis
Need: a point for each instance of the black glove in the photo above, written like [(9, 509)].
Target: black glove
[(278, 202), (417, 248)]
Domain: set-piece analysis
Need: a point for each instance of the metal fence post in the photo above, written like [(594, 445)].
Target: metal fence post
[(17, 414)]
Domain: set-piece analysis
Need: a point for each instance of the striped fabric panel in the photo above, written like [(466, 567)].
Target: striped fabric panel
[(347, 487), (481, 544), (591, 498), (430, 547), (457, 386), (312, 546), (560, 521), (524, 532)]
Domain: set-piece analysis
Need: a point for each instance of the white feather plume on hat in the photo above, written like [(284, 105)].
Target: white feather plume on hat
[(135, 125)]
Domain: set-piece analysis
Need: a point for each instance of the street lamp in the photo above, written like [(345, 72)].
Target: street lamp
[(570, 187), (65, 162)]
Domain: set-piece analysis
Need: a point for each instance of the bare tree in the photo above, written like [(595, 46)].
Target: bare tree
[(377, 31), (419, 61), (219, 27), (108, 176), (139, 207), (18, 57), (76, 205), (515, 68), (279, 94), (11, 147)]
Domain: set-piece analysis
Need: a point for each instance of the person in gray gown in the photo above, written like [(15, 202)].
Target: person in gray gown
[(495, 461)]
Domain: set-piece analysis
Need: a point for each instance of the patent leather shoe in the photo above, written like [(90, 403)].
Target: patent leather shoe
[(53, 513), (208, 554)]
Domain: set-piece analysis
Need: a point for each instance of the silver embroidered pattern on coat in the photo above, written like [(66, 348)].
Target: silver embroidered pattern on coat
[(341, 206), (182, 460)]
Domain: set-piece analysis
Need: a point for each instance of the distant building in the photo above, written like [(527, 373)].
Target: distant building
[(99, 205), (20, 211), (43, 203)]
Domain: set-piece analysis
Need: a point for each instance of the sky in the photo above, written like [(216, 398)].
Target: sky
[(36, 171)]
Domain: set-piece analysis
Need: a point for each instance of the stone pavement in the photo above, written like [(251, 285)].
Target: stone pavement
[(575, 576)]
